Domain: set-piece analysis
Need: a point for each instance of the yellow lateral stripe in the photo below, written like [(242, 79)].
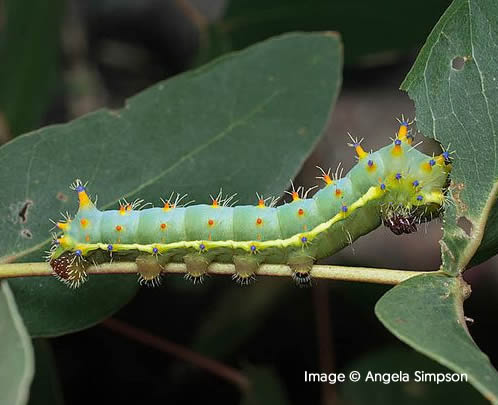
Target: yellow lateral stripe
[(295, 240), (373, 193)]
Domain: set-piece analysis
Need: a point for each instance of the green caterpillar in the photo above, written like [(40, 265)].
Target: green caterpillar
[(396, 185)]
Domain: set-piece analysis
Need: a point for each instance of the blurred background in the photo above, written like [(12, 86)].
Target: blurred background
[(62, 59)]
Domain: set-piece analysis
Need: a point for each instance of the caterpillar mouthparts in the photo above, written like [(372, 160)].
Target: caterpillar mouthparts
[(397, 186)]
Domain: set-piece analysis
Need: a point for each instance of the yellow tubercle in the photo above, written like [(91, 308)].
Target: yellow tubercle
[(371, 166), (435, 197), (85, 201), (360, 152), (326, 176), (65, 241), (63, 225), (440, 161), (402, 132), (327, 179)]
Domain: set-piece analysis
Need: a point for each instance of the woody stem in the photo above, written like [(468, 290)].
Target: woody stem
[(358, 274)]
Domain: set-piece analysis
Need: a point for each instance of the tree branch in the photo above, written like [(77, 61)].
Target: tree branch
[(358, 274)]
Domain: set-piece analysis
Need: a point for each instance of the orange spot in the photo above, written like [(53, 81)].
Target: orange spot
[(426, 166), (84, 222), (295, 196), (87, 238), (397, 151), (163, 226), (118, 228), (261, 203), (259, 221), (300, 211), (360, 152), (129, 207), (338, 192), (167, 206), (215, 203), (122, 209), (210, 222)]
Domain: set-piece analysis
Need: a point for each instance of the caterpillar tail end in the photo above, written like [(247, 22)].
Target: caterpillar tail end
[(70, 269)]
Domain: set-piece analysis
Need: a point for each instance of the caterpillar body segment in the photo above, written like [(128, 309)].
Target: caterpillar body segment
[(396, 185)]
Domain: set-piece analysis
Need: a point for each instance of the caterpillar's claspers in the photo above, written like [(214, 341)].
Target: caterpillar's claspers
[(396, 185)]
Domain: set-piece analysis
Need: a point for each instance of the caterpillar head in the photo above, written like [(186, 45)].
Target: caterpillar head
[(402, 219), (400, 223)]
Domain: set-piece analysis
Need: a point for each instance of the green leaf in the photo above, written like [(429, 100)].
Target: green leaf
[(29, 45), (245, 122), (372, 35), (265, 387), (49, 308), (16, 352), (458, 106), (46, 388), (389, 362), (426, 313)]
